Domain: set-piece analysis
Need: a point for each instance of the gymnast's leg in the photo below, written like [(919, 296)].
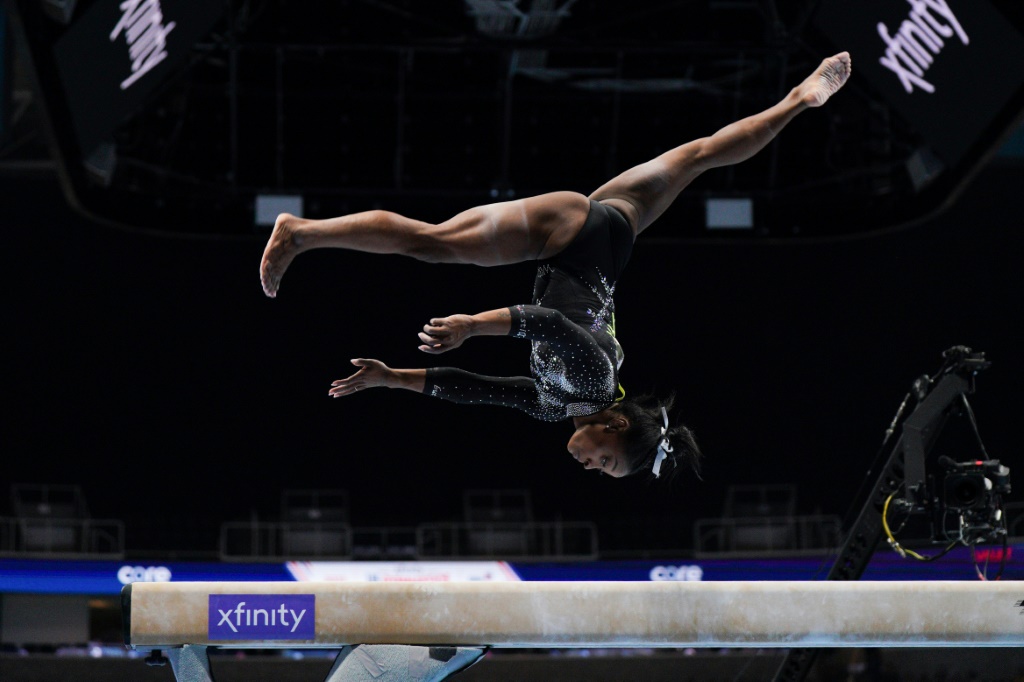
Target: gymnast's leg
[(644, 192), (494, 234)]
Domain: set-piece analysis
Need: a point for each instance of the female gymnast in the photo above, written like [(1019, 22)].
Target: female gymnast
[(581, 245)]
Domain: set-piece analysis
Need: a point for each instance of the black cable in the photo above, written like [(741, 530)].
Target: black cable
[(974, 425), (833, 552), (1005, 549), (878, 455), (1002, 559), (941, 554)]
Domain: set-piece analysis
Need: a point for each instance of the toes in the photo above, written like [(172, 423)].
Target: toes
[(269, 284)]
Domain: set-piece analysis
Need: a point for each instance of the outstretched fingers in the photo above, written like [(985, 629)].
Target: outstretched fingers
[(371, 374), (347, 386)]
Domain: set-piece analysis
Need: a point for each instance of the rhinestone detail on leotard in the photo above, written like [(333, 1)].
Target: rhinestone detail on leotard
[(573, 368)]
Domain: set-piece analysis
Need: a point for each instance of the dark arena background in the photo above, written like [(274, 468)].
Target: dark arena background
[(166, 421)]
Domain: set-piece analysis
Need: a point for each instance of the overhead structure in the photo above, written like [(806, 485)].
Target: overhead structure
[(428, 108)]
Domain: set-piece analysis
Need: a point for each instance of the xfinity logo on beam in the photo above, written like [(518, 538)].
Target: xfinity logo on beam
[(142, 23), (909, 53), (262, 616)]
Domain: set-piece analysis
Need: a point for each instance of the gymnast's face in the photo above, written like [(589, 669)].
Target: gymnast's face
[(600, 444)]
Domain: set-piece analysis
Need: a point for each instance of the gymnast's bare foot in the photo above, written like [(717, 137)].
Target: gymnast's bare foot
[(283, 246), (826, 80)]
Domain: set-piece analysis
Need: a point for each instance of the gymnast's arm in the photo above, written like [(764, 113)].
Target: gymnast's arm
[(571, 342), (446, 333), (375, 374), (448, 383), (521, 321)]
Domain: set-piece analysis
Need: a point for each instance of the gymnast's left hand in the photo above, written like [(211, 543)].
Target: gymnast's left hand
[(371, 374), (445, 333)]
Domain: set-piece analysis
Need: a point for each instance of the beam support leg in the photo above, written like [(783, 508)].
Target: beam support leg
[(401, 663), (190, 663)]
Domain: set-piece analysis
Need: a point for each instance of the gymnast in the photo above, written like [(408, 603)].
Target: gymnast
[(581, 245)]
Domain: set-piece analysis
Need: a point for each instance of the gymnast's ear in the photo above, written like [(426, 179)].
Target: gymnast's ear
[(617, 422)]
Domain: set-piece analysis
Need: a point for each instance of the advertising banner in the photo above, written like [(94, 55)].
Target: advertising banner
[(118, 52), (947, 66), (108, 577)]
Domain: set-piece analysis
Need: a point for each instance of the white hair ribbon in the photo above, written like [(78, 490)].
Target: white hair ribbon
[(664, 447)]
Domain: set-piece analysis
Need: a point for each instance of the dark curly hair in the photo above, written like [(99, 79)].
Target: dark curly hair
[(644, 434)]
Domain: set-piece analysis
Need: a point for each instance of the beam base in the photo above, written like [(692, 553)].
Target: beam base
[(400, 663), (190, 663)]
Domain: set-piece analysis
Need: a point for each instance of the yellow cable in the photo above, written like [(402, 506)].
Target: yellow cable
[(902, 551)]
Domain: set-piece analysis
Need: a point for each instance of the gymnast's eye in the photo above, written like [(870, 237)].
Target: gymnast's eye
[(604, 462)]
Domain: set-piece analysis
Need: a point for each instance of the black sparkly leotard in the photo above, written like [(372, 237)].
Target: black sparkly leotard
[(575, 357)]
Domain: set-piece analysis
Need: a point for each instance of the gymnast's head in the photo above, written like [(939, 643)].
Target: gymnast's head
[(635, 436)]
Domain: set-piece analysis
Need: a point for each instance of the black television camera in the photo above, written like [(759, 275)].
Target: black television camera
[(971, 492)]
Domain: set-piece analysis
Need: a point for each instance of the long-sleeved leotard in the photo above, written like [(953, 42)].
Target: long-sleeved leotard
[(575, 357), (572, 374)]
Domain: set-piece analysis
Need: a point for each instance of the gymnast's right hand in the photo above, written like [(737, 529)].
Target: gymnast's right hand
[(446, 333), (371, 374)]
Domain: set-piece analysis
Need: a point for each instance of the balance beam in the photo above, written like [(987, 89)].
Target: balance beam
[(574, 614)]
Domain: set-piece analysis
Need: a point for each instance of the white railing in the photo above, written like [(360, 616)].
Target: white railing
[(766, 535), (259, 541), (554, 540), (67, 538), (384, 543)]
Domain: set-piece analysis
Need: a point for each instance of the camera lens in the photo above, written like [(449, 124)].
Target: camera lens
[(963, 491)]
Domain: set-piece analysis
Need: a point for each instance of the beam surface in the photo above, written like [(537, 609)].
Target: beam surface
[(575, 614)]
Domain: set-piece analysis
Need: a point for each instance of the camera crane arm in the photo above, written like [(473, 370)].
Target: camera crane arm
[(935, 398)]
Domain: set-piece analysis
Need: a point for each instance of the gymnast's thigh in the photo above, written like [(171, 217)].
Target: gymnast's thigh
[(515, 231)]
